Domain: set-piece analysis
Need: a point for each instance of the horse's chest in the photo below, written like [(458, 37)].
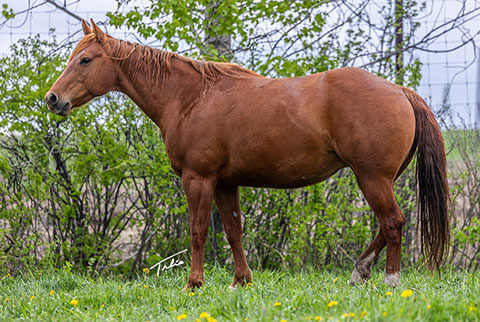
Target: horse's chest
[(200, 154), (175, 158)]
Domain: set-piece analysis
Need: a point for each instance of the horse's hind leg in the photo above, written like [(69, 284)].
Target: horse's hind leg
[(379, 193), (228, 204)]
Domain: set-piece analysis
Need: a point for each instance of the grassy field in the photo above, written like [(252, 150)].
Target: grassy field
[(274, 296)]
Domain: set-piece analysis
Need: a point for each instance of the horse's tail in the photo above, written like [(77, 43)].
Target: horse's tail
[(433, 196)]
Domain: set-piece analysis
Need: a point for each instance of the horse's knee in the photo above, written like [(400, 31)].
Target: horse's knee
[(198, 239)]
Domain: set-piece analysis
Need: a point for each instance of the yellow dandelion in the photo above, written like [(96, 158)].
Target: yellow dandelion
[(283, 320), (388, 293), (406, 293), (32, 297), (171, 308), (332, 303), (146, 270), (429, 307), (74, 302), (384, 313), (246, 319), (351, 314), (472, 308), (191, 294), (363, 314), (335, 280), (181, 317), (277, 304), (102, 306), (210, 319), (197, 320), (8, 275), (345, 315), (52, 292), (318, 318), (204, 315), (146, 286)]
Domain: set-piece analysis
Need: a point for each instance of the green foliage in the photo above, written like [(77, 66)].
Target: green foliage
[(464, 150), (324, 224), (7, 13), (470, 234), (76, 190)]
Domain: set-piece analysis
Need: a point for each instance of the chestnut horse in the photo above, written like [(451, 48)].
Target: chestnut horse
[(225, 126)]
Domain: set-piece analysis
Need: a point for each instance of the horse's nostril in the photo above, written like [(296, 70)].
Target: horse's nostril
[(52, 98)]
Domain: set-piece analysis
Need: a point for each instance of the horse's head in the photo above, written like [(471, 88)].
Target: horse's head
[(90, 73)]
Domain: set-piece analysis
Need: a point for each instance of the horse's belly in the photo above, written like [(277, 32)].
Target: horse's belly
[(288, 172)]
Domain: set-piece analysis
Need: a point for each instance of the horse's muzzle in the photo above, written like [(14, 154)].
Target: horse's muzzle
[(57, 106)]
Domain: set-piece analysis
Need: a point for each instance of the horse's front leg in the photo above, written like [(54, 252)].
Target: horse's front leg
[(228, 204), (199, 192)]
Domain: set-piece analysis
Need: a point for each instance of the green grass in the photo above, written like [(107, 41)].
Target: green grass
[(300, 296)]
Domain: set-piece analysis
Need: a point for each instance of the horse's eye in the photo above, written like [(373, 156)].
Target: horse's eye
[(85, 61)]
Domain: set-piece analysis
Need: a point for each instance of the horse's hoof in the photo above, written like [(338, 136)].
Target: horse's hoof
[(392, 280), (244, 281), (357, 278), (192, 285), (243, 278)]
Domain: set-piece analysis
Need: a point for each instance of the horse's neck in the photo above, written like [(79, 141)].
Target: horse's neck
[(161, 100)]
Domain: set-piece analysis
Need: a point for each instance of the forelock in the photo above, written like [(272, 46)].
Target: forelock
[(84, 43)]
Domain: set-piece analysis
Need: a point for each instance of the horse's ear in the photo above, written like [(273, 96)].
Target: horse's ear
[(97, 31), (86, 28)]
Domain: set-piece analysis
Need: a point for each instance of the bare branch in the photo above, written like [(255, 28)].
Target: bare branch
[(64, 9)]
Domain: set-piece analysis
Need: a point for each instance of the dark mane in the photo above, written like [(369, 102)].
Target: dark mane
[(157, 62)]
